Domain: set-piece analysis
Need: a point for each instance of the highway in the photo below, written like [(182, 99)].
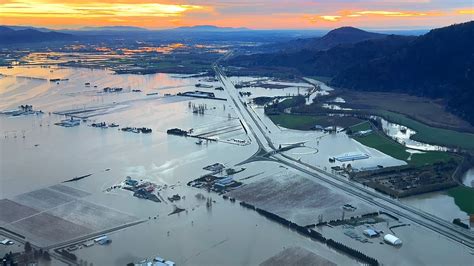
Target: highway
[(266, 146)]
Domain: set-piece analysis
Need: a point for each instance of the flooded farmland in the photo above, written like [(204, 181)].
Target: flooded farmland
[(37, 156)]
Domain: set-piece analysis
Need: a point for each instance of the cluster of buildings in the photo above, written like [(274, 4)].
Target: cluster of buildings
[(22, 110), (70, 122), (214, 183), (137, 130), (224, 183), (112, 89), (143, 190), (388, 238), (200, 94), (104, 125), (157, 261)]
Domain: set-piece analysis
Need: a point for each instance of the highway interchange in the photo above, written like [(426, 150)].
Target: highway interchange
[(267, 147)]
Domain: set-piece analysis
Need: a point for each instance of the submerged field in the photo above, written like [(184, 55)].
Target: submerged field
[(286, 195), (390, 147), (432, 123), (431, 135), (427, 111)]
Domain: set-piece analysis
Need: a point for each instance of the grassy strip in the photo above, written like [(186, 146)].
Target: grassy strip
[(428, 134), (463, 197), (390, 147), (298, 122), (308, 122), (361, 127)]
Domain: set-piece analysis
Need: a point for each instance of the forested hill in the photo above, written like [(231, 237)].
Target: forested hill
[(336, 37), (438, 64)]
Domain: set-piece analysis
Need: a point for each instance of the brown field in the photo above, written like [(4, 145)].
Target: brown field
[(296, 256), (287, 196), (428, 111), (56, 214)]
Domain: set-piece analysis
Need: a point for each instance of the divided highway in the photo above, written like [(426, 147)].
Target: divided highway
[(265, 145)]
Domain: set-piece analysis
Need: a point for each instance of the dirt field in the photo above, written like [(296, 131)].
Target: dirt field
[(297, 199), (12, 211), (296, 256), (428, 111), (46, 229), (56, 214)]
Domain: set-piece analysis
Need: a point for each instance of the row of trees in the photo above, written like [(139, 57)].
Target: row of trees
[(314, 235)]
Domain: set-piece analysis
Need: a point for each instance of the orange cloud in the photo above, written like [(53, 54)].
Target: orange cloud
[(246, 13), (390, 13), (466, 11), (346, 14), (47, 9), (331, 18)]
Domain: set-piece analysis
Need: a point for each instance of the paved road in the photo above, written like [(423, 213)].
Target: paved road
[(266, 146)]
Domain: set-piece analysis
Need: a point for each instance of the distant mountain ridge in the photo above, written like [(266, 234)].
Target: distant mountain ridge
[(344, 35), (336, 37), (29, 35), (113, 28), (28, 27), (209, 28), (185, 28), (439, 64)]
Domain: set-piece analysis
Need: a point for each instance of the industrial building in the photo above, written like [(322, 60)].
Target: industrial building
[(392, 240), (224, 183), (371, 233), (351, 157)]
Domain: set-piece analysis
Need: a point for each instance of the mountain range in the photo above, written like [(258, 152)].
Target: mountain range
[(438, 64), (344, 35), (29, 35)]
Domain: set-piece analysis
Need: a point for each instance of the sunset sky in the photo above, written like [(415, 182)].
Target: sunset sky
[(256, 14)]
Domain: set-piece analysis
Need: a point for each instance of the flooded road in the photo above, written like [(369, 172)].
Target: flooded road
[(36, 154)]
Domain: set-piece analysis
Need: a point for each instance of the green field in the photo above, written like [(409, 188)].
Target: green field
[(431, 135), (463, 197), (388, 146), (361, 126), (307, 122)]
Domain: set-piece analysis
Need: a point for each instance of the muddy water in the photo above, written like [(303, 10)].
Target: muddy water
[(49, 154), (225, 234)]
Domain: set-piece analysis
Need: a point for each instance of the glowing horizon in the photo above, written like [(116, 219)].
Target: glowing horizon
[(255, 14)]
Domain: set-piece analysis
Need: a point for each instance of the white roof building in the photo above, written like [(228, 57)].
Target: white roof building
[(392, 240), (6, 241)]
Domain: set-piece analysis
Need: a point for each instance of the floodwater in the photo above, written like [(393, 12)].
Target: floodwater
[(402, 135), (49, 154), (437, 203), (35, 154), (468, 178)]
